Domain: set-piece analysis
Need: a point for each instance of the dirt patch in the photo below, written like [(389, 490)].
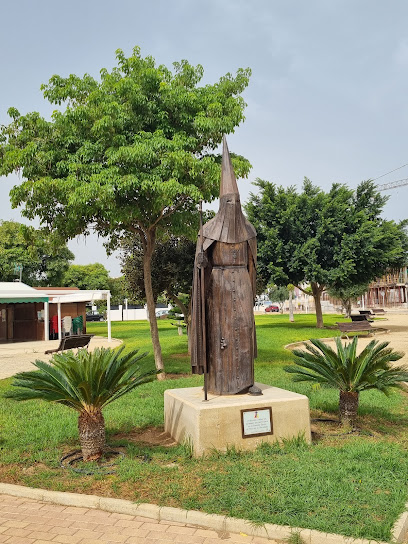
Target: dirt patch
[(179, 356), (151, 436), (177, 376), (34, 468)]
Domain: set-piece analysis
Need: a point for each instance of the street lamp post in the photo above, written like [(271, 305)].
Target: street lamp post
[(18, 269)]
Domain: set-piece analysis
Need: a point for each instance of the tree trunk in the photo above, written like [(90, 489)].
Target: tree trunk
[(91, 429), (317, 291), (183, 309), (291, 318), (346, 303), (348, 406), (151, 307)]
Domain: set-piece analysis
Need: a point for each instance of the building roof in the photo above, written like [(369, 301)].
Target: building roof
[(12, 292), (73, 294), (20, 292)]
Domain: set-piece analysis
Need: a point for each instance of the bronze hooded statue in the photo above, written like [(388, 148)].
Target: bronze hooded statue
[(223, 341)]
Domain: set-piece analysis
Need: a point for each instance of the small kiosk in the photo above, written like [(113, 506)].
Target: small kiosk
[(25, 312)]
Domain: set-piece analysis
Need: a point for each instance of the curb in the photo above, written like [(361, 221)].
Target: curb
[(191, 517), (400, 527)]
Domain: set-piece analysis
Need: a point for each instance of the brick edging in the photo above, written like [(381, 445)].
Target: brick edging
[(192, 517)]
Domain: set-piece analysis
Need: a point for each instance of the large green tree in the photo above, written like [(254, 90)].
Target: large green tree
[(336, 239), (86, 276), (42, 260), (172, 266), (172, 269), (133, 152)]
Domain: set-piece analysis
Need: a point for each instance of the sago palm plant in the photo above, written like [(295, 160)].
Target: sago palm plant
[(349, 372), (86, 382)]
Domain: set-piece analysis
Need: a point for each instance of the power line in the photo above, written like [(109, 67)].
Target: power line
[(391, 171), (392, 184)]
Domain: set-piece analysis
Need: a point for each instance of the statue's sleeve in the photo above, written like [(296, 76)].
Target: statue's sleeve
[(196, 336)]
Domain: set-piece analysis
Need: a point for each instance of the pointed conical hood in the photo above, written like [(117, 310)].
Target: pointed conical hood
[(229, 225), (228, 182)]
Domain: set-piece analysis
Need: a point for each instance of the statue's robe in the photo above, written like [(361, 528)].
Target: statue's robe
[(228, 296)]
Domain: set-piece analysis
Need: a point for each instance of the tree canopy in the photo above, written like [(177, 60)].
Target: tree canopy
[(86, 276), (126, 151), (43, 262), (278, 293), (133, 152), (336, 239), (117, 287), (346, 295)]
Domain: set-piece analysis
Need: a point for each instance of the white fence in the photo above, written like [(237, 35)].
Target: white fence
[(130, 314)]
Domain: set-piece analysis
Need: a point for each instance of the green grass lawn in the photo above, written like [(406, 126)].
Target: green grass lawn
[(353, 484)]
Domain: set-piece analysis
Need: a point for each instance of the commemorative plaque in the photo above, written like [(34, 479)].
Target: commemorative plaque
[(256, 422)]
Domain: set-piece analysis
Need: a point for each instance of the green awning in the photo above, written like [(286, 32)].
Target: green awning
[(21, 299)]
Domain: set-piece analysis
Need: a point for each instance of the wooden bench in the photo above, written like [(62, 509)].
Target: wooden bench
[(365, 312), (72, 342), (379, 311), (355, 326), (361, 317)]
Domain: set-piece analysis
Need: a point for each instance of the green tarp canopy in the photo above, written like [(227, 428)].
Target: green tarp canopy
[(12, 292), (21, 299)]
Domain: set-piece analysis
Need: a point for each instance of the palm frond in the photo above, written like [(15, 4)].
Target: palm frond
[(84, 380), (344, 369), (317, 367), (302, 375)]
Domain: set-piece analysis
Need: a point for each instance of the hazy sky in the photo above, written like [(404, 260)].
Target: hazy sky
[(328, 96)]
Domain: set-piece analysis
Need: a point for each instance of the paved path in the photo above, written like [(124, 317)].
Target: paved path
[(397, 327), (18, 356), (397, 324), (398, 337), (25, 521)]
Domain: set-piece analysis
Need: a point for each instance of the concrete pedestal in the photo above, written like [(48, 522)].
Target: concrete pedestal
[(217, 423)]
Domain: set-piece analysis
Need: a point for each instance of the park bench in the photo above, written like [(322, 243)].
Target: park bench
[(72, 342), (355, 326), (365, 312), (361, 317), (378, 311)]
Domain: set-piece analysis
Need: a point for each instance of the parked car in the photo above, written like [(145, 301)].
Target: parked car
[(272, 308), (94, 316), (162, 314)]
